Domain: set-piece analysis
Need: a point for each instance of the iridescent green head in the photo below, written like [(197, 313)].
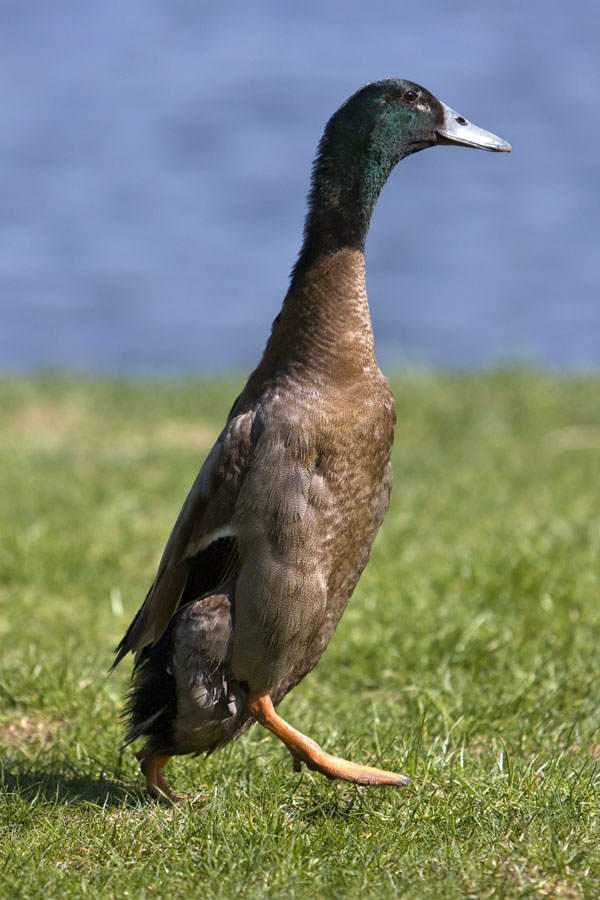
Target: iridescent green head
[(373, 130)]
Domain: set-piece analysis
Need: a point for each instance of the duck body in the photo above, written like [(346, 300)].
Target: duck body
[(280, 521), (312, 440)]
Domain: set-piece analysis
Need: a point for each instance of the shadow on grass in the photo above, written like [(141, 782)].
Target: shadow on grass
[(57, 783), (341, 803)]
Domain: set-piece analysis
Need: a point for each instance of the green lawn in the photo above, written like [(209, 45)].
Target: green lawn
[(467, 657)]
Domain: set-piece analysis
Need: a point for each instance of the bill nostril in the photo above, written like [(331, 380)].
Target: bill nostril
[(461, 120)]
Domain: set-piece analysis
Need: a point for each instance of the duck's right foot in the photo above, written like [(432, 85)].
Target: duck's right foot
[(152, 767), (158, 788)]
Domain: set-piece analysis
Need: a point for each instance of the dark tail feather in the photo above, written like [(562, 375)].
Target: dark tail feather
[(152, 701)]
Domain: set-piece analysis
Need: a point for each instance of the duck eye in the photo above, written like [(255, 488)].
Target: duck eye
[(410, 96)]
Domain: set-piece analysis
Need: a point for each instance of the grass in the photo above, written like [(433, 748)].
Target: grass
[(467, 657)]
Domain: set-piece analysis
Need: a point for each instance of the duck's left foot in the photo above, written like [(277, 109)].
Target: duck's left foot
[(305, 750)]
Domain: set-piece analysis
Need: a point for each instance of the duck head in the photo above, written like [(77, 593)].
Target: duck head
[(394, 118), (370, 133)]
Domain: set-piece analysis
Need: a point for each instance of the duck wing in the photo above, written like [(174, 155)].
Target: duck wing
[(201, 553)]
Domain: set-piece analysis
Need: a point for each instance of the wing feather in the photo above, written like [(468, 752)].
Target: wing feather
[(204, 520)]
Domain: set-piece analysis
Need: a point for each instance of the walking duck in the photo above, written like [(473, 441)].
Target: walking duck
[(278, 525)]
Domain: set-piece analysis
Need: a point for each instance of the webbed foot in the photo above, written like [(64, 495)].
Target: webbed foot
[(304, 750), (152, 767)]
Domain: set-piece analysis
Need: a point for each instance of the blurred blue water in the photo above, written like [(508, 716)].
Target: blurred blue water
[(155, 160)]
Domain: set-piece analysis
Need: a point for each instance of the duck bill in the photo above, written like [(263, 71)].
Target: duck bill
[(457, 130)]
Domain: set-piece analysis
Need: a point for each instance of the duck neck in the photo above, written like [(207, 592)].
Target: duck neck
[(349, 172), (325, 326)]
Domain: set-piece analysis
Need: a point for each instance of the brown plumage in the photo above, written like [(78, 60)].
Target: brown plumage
[(279, 523)]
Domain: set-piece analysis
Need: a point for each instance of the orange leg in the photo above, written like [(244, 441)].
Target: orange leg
[(304, 750), (152, 767)]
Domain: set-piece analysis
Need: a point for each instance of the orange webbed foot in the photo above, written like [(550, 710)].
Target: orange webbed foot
[(304, 750), (152, 766)]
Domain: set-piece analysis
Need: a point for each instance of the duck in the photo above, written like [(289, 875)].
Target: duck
[(279, 523)]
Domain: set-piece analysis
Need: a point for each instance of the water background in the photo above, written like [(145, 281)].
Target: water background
[(154, 163)]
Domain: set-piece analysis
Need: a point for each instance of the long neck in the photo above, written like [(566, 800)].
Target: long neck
[(325, 324), (349, 172)]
